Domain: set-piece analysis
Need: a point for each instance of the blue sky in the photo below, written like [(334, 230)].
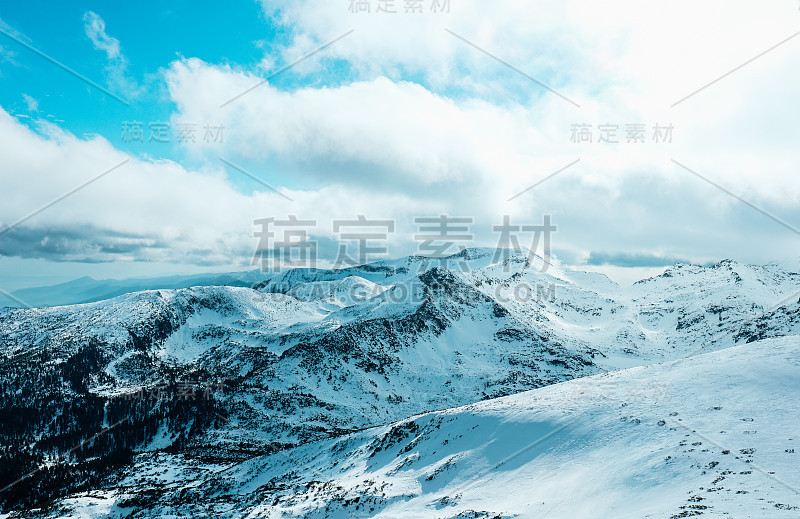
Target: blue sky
[(457, 111), (150, 35)]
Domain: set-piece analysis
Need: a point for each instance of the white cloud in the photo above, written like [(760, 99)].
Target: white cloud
[(145, 210), (586, 47), (385, 135), (6, 56), (116, 69), (466, 136), (95, 28), (31, 103), (457, 141), (159, 211)]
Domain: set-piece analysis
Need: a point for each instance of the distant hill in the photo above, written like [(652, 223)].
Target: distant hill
[(89, 290)]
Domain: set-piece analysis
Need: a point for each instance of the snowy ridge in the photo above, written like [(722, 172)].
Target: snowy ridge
[(309, 355), (706, 436)]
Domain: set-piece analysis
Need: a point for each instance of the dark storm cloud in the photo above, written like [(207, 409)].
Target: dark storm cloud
[(82, 243)]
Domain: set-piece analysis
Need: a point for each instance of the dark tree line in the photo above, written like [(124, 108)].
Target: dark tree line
[(57, 437)]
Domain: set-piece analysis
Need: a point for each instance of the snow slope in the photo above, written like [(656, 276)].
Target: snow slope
[(713, 436), (310, 355)]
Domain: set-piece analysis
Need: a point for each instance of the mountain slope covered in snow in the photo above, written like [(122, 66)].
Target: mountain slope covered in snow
[(205, 377), (712, 436)]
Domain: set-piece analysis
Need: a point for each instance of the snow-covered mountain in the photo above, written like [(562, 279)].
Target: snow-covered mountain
[(202, 379), (88, 290), (708, 436)]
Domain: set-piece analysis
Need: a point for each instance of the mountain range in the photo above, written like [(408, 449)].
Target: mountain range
[(479, 385)]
